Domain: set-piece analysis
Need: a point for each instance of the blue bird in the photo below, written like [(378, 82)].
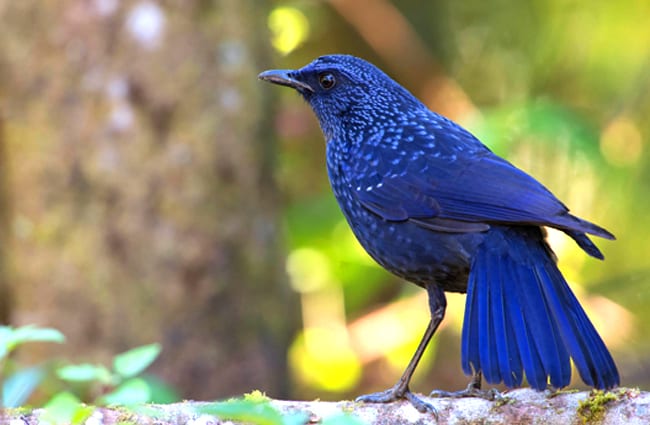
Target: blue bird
[(433, 205)]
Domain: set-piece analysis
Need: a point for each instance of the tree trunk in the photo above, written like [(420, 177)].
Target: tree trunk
[(142, 161)]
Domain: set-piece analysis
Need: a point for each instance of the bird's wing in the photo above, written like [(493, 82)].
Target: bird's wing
[(456, 190), (483, 189)]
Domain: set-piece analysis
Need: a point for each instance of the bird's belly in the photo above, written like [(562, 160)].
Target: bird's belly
[(419, 255)]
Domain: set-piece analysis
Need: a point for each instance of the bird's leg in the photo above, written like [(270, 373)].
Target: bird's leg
[(437, 304), (472, 390), (401, 389)]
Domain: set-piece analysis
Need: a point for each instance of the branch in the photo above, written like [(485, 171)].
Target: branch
[(522, 406)]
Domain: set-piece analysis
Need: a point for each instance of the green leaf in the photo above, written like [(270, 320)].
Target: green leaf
[(18, 387), (161, 392), (132, 391), (32, 333), (133, 362), (10, 338), (85, 372), (253, 412), (65, 408), (5, 335)]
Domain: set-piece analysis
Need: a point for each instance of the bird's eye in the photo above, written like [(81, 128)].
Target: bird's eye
[(326, 80)]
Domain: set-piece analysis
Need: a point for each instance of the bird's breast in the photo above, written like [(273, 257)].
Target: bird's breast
[(404, 248)]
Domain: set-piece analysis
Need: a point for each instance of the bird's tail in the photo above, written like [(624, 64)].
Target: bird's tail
[(522, 318)]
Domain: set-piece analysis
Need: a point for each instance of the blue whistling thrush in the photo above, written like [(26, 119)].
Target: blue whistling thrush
[(433, 205)]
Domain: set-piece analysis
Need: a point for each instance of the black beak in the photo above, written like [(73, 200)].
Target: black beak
[(283, 77)]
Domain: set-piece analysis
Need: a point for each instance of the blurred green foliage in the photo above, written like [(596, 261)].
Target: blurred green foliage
[(255, 408), (17, 383), (259, 412), (123, 385)]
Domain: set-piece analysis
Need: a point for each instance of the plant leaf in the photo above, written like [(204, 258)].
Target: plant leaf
[(161, 392), (10, 337), (17, 388), (65, 408), (247, 411), (132, 391), (5, 336), (133, 362), (85, 372), (32, 333)]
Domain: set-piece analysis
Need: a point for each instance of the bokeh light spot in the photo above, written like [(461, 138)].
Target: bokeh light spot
[(323, 359), (289, 27), (146, 24), (309, 270), (621, 142)]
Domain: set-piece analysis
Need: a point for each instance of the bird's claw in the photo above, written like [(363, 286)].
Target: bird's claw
[(398, 393), (471, 391)]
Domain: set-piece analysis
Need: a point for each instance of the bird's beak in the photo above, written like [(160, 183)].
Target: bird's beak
[(283, 77)]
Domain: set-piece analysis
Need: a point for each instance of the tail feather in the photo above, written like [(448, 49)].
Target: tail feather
[(469, 352), (521, 316), (577, 228), (525, 345), (586, 244), (571, 223), (590, 355), (486, 339), (542, 327), (510, 364)]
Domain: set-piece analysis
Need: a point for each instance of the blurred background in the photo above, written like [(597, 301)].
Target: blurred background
[(153, 190)]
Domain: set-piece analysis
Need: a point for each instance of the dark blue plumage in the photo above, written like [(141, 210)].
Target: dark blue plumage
[(432, 204)]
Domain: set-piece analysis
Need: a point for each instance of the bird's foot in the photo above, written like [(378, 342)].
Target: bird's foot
[(472, 390), (399, 392)]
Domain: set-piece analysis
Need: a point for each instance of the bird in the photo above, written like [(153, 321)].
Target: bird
[(433, 205)]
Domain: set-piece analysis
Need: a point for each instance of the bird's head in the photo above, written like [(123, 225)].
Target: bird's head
[(346, 93)]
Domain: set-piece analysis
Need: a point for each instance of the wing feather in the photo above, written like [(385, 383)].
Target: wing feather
[(466, 186)]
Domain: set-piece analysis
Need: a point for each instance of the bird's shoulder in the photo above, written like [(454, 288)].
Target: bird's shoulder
[(413, 146)]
